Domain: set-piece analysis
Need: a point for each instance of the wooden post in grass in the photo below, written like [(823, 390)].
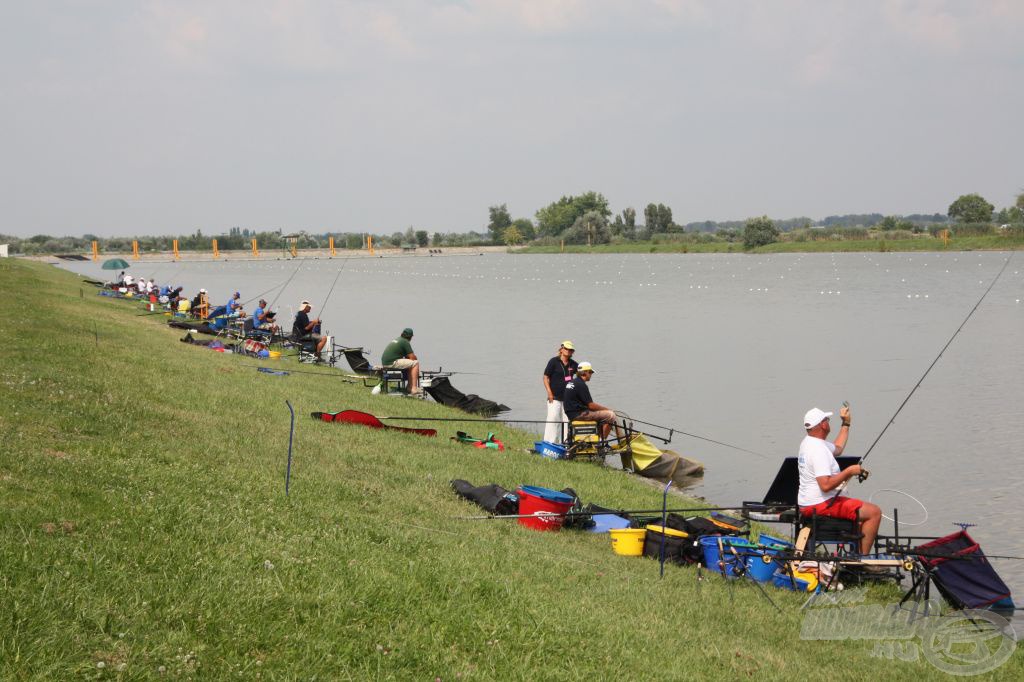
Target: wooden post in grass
[(216, 251)]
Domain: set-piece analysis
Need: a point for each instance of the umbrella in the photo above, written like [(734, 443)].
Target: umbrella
[(116, 264)]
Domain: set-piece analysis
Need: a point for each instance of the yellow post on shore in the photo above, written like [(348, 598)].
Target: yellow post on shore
[(216, 251), (331, 241), (95, 250), (295, 247), (135, 249), (369, 243), (255, 250), (174, 245), (945, 237), (563, 246)]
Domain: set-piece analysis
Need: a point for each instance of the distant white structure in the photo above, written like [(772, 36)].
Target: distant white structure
[(3, 250)]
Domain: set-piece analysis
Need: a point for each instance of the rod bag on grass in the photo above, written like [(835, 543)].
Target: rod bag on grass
[(493, 498)]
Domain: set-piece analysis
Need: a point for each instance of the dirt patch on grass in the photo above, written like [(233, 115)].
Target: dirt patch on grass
[(65, 527), (57, 454)]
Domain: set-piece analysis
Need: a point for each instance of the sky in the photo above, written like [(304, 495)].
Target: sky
[(125, 118)]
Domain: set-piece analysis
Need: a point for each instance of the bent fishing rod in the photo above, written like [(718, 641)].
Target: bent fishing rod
[(672, 430), (863, 475)]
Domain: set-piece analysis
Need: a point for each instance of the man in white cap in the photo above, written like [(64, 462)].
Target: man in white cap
[(559, 371), (820, 477), (578, 404), (302, 328)]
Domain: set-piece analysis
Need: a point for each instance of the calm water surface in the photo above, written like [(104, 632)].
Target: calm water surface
[(732, 347)]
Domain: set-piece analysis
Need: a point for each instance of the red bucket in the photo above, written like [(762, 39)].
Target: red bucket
[(549, 505)]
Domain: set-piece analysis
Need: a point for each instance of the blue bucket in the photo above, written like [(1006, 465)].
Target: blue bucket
[(549, 449), (730, 568)]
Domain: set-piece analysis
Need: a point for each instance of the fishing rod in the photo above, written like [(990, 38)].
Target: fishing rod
[(343, 377), (672, 430), (333, 284), (512, 421), (258, 296), (616, 512), (285, 286), (862, 476)]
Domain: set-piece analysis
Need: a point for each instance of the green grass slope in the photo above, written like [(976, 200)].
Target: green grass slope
[(145, 533)]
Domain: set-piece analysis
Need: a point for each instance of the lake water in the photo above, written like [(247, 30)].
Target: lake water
[(732, 347)]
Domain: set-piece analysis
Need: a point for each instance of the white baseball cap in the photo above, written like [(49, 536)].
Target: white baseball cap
[(585, 367), (814, 417)]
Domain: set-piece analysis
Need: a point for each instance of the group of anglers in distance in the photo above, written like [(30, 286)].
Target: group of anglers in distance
[(257, 332)]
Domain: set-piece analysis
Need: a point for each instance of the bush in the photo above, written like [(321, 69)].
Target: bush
[(974, 230)]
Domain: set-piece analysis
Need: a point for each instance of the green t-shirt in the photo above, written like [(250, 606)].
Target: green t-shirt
[(397, 349)]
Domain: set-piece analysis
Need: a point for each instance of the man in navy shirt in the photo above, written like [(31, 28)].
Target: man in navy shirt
[(558, 372), (302, 328), (580, 406)]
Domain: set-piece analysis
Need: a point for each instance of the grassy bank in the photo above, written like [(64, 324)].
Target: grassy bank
[(982, 243), (144, 533)]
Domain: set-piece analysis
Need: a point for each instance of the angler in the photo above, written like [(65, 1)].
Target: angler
[(821, 478)]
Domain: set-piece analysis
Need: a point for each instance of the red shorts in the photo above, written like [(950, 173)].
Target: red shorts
[(838, 508)]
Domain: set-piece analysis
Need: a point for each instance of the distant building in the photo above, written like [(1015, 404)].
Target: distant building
[(3, 250)]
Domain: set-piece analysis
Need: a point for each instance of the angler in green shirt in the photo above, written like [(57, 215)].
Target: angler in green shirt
[(398, 355)]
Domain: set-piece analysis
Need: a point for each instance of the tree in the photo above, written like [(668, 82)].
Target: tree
[(759, 231), (512, 236), (558, 216), (589, 228), (500, 221), (422, 239), (658, 218), (1020, 201), (526, 229), (971, 208)]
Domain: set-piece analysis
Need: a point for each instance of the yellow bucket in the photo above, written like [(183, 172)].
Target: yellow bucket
[(628, 541), (274, 354)]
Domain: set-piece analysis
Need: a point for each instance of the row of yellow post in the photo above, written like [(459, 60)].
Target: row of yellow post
[(293, 248)]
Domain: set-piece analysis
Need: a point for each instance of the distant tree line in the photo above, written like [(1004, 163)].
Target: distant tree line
[(583, 219)]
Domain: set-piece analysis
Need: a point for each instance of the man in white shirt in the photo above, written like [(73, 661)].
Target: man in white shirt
[(820, 477)]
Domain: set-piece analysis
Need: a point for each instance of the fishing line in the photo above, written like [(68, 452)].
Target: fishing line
[(672, 430), (899, 409), (906, 494)]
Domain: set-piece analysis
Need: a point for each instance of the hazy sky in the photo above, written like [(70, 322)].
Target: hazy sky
[(163, 117)]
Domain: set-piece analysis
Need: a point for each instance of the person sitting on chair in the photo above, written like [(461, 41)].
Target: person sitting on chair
[(302, 329), (264, 319), (398, 355), (820, 478), (234, 305), (579, 406)]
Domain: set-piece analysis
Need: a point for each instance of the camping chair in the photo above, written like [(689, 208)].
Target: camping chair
[(836, 536)]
